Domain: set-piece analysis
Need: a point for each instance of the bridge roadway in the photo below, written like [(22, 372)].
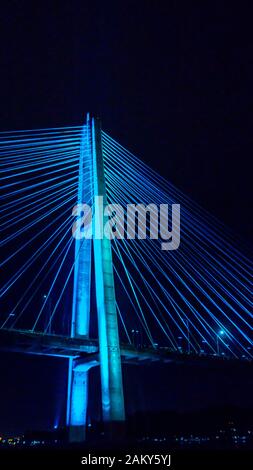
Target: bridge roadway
[(85, 350)]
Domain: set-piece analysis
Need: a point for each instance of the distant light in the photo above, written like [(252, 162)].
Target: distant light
[(221, 332), (44, 296), (55, 426)]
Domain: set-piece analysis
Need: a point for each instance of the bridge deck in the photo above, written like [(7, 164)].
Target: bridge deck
[(84, 349)]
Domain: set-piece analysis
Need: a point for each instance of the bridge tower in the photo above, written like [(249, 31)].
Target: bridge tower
[(92, 190)]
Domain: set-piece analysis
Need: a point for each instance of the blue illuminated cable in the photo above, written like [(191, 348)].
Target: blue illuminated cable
[(32, 157), (142, 294), (28, 180), (28, 157), (222, 298), (31, 224), (30, 261), (67, 223), (130, 298), (156, 191), (36, 166), (112, 145), (32, 203), (36, 185), (122, 162), (131, 281), (123, 323), (50, 129), (220, 265), (219, 273), (142, 317), (216, 282), (158, 298), (208, 310), (10, 166), (53, 283), (151, 292), (136, 268), (18, 219), (63, 288), (222, 286), (172, 340), (38, 233), (16, 202), (198, 245), (192, 324), (35, 142), (16, 154), (37, 201), (191, 242), (204, 292)]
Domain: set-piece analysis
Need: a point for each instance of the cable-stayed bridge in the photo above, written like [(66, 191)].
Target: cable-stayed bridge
[(99, 301)]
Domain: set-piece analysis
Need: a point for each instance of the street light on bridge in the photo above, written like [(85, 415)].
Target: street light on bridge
[(219, 335)]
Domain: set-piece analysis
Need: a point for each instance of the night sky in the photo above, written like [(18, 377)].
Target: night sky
[(173, 83)]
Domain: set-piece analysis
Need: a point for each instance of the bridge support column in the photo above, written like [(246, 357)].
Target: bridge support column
[(78, 379), (109, 348), (78, 401), (110, 358)]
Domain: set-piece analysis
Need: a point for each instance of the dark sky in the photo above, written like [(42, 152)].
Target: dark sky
[(171, 81)]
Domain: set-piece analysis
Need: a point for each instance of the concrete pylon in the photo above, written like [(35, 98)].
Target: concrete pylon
[(77, 400), (91, 175), (109, 347)]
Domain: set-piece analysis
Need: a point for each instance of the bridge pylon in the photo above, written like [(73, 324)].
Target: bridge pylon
[(92, 191)]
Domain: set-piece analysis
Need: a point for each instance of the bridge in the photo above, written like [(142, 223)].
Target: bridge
[(99, 293), (85, 350)]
